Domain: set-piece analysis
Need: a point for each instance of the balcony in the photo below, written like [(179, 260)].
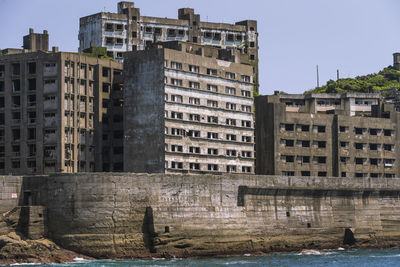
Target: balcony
[(50, 105), (50, 138), (50, 122), (50, 70), (49, 88)]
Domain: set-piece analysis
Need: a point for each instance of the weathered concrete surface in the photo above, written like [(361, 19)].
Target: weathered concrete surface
[(142, 215)]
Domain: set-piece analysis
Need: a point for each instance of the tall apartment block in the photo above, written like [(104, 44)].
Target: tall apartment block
[(52, 106), (188, 109), (128, 30), (349, 135)]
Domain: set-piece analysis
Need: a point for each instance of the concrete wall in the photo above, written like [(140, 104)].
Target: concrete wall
[(131, 215), (10, 188)]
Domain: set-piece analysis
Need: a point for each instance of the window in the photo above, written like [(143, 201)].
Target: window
[(16, 86), (176, 82), (252, 44), (212, 119), (359, 161), (194, 149), (288, 158), (322, 174), (148, 29), (230, 168), (176, 98), (246, 139), (373, 161), (120, 42), (246, 93), (176, 115), (288, 173), (157, 31), (176, 165), (109, 27), (212, 167), (31, 133), (16, 134), (212, 151), (194, 117), (388, 147), (134, 34), (176, 148), (374, 131), (288, 127), (212, 88), (343, 129), (321, 160), (194, 100), (304, 143), (246, 123), (388, 163), (359, 145), (15, 69), (305, 173), (212, 72), (245, 78), (106, 87), (246, 108), (374, 175), (319, 128), (344, 144), (195, 85), (231, 137), (176, 131), (388, 132), (230, 90), (231, 122), (109, 41), (389, 175), (31, 67), (194, 166), (231, 106), (212, 103), (374, 146), (231, 152), (359, 130), (230, 75), (212, 135), (246, 169), (303, 159), (287, 142), (246, 154), (252, 57), (305, 128), (176, 65), (193, 133), (106, 72), (194, 68)]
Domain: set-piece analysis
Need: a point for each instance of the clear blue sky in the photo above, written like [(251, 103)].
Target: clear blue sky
[(355, 36)]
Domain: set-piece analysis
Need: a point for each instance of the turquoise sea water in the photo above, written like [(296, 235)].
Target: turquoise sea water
[(368, 257)]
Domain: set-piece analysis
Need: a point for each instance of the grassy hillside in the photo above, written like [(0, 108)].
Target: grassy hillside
[(385, 79)]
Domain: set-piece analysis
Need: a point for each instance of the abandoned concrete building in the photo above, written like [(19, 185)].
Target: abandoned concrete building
[(341, 135), (188, 108), (128, 30), (52, 109)]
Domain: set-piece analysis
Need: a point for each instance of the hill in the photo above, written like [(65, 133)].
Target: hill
[(372, 83)]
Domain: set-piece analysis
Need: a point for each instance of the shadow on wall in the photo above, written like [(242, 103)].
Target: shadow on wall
[(148, 230)]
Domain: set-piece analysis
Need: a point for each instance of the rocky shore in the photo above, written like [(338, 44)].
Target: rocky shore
[(14, 249)]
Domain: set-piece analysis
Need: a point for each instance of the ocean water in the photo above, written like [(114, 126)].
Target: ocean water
[(343, 258)]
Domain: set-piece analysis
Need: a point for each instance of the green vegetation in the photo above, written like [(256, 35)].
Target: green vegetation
[(372, 83), (1, 52), (98, 52)]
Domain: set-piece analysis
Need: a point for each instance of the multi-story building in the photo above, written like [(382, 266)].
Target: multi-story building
[(52, 106), (128, 30), (188, 108), (350, 135)]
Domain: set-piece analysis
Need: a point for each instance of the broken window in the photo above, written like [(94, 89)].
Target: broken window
[(194, 68), (212, 119), (195, 85), (212, 87), (119, 41), (217, 36), (194, 149), (32, 67), (388, 132), (109, 27), (229, 37), (194, 100), (157, 31), (120, 27), (212, 72), (171, 32), (109, 41)]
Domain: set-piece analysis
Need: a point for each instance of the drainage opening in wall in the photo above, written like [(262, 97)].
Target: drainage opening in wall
[(166, 230), (308, 225)]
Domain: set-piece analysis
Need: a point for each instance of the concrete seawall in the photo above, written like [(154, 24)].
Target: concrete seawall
[(139, 215)]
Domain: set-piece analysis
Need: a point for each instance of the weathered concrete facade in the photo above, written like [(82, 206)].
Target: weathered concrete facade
[(188, 108), (128, 30), (52, 106), (139, 215), (327, 141)]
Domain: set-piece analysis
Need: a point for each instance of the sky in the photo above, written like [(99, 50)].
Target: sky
[(356, 37)]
